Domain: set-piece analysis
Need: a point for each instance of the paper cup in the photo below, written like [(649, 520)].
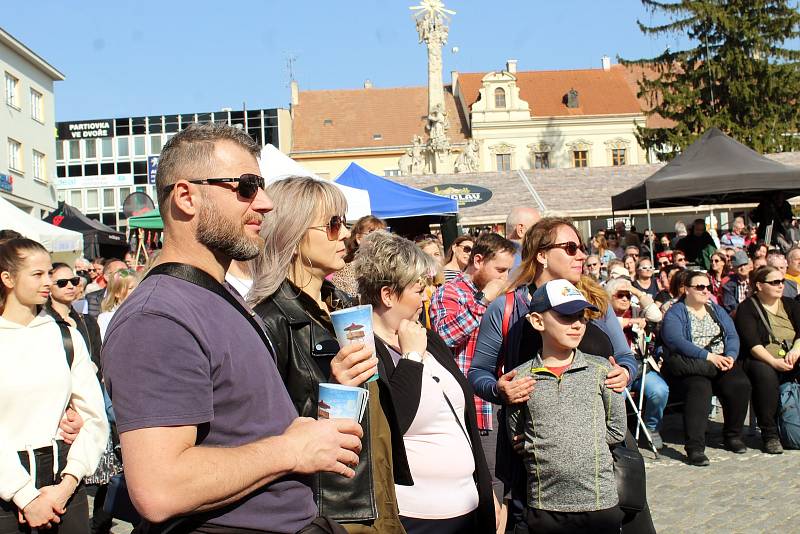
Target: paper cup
[(342, 402), (354, 325)]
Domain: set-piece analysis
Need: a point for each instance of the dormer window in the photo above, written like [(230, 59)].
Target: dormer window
[(377, 137), (327, 122), (572, 99), (500, 98)]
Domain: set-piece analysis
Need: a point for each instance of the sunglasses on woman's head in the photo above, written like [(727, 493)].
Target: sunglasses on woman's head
[(775, 283), (247, 184), (570, 247), (333, 228), (62, 283)]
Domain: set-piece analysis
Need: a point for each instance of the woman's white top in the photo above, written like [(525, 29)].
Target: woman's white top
[(36, 386), (439, 454)]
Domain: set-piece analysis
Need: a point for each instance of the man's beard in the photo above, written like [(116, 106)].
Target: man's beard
[(221, 234)]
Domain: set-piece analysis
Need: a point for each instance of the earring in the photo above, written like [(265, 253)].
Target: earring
[(544, 265)]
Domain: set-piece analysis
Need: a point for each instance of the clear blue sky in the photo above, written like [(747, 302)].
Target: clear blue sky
[(128, 58)]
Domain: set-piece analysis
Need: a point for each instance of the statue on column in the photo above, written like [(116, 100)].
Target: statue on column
[(437, 129), (418, 156), (406, 163)]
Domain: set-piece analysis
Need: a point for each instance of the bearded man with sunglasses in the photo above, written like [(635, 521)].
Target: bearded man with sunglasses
[(210, 437)]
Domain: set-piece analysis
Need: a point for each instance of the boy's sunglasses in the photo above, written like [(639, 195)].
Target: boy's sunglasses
[(333, 228), (248, 184), (62, 283), (570, 247)]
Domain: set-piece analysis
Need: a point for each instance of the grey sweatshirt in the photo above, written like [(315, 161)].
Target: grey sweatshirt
[(568, 424)]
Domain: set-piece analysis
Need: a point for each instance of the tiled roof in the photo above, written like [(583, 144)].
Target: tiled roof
[(634, 73), (577, 193), (600, 92), (353, 118)]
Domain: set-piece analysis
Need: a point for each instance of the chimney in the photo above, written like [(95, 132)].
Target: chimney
[(453, 79), (511, 66), (606, 62), (295, 93), (367, 84)]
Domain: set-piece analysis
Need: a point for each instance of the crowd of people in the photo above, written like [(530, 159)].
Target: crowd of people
[(198, 375)]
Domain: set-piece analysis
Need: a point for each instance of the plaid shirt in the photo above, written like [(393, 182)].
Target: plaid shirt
[(456, 316)]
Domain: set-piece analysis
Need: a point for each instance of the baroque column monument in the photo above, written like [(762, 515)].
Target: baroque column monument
[(431, 19)]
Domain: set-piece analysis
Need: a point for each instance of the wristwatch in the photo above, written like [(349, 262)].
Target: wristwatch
[(479, 296), (414, 356)]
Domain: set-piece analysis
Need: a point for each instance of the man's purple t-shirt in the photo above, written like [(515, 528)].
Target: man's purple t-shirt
[(177, 354)]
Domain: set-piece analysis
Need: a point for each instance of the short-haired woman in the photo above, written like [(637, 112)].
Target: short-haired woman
[(40, 476), (458, 256), (452, 486), (704, 347), (769, 329), (345, 278), (304, 243)]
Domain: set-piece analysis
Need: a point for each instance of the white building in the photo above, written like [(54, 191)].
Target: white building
[(27, 127)]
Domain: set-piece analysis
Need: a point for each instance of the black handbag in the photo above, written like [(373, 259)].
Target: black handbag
[(630, 477), (679, 365)]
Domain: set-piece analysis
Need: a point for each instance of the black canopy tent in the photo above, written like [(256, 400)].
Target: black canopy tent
[(98, 239), (715, 169)]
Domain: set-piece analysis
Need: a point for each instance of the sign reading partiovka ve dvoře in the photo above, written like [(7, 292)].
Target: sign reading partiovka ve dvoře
[(86, 129), (466, 195)]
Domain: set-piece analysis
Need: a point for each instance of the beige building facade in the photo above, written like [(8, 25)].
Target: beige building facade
[(498, 121), (27, 127)]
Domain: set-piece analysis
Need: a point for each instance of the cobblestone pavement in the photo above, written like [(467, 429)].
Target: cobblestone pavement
[(738, 493)]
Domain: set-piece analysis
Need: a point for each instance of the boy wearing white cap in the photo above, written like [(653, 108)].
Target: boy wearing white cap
[(569, 421)]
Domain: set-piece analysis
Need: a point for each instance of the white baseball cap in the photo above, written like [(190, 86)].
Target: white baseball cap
[(560, 296)]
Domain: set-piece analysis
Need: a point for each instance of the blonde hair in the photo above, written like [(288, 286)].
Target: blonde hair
[(117, 289), (595, 294), (388, 260), (298, 202)]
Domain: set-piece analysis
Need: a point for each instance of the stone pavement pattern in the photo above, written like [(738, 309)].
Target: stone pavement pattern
[(738, 493)]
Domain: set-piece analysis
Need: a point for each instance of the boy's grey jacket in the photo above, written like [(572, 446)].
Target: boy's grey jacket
[(569, 424)]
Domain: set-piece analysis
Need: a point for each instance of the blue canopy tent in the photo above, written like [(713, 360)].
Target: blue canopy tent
[(410, 210), (390, 200)]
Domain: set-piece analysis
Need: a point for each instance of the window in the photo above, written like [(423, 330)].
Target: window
[(618, 157), (12, 91), (138, 146), (503, 162), (580, 158), (123, 147), (500, 98), (37, 105), (92, 202), (108, 198), (123, 194), (391, 172), (76, 199), (90, 149), (74, 149), (59, 151), (155, 144), (39, 170), (106, 148), (541, 160), (14, 155)]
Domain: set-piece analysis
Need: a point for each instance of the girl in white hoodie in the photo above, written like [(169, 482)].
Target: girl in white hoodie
[(40, 476)]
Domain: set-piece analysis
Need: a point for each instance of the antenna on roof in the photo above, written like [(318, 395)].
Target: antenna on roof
[(291, 59)]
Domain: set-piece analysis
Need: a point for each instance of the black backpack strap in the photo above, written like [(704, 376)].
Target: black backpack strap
[(66, 338), (198, 277)]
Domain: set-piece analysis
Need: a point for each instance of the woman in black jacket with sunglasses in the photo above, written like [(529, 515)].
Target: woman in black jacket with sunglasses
[(769, 330)]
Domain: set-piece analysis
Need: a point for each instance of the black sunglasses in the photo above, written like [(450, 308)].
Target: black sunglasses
[(248, 187), (62, 283), (333, 227), (775, 283), (701, 287), (570, 247), (623, 295), (466, 248)]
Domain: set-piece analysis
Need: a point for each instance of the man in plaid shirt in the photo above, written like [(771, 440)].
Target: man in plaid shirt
[(458, 306)]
